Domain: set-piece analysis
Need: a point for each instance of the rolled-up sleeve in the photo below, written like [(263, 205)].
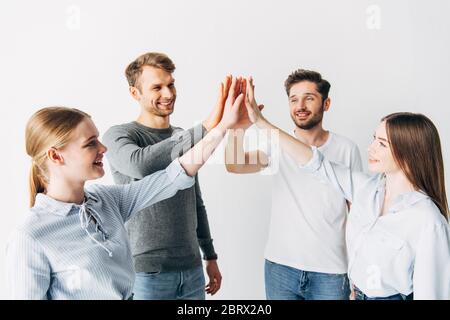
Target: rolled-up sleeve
[(431, 278), (27, 268), (342, 178)]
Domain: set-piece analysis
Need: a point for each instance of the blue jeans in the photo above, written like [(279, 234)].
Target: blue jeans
[(287, 283), (180, 285), (359, 295)]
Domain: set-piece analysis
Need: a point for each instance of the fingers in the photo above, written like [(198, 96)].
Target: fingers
[(238, 87), (231, 91), (213, 286), (226, 83), (244, 87), (251, 89), (238, 100)]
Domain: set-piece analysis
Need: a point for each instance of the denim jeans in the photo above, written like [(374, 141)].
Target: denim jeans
[(287, 283), (359, 295), (180, 285)]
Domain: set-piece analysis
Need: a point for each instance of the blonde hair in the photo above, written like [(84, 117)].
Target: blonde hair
[(49, 127)]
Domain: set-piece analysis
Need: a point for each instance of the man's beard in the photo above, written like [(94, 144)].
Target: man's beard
[(311, 123)]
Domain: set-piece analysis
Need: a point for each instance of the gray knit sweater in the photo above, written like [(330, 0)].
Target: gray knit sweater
[(167, 235)]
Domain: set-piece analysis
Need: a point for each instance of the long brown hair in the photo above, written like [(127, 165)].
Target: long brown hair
[(416, 148), (49, 127)]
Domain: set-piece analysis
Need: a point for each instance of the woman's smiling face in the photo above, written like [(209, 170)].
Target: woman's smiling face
[(381, 159)]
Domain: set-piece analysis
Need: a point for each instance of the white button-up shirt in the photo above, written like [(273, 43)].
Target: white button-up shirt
[(69, 251), (406, 250)]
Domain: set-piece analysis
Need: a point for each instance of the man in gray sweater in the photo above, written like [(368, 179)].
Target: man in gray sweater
[(165, 237)]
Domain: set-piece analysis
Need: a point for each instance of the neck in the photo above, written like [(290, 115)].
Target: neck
[(150, 120), (397, 183), (316, 136), (64, 191)]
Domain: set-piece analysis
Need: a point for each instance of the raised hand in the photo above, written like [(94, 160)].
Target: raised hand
[(253, 110), (232, 105), (216, 114), (196, 157), (244, 121)]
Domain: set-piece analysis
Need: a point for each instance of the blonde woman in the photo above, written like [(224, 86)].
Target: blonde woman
[(73, 244)]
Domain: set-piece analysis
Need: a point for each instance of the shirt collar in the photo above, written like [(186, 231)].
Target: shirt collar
[(50, 205), (402, 201), (407, 200)]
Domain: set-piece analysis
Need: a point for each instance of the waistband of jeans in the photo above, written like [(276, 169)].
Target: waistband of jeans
[(405, 297)]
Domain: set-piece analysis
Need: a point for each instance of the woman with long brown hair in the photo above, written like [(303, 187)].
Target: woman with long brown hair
[(73, 244), (397, 234)]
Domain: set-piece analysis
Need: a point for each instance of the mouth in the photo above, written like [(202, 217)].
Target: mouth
[(98, 163), (373, 161), (166, 105), (302, 115)]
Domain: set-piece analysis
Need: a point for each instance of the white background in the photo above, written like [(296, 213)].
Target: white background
[(377, 64)]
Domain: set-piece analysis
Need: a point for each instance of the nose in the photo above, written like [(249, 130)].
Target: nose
[(298, 106), (371, 147), (167, 92), (301, 106), (103, 148)]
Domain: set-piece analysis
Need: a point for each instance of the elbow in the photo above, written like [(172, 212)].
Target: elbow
[(230, 168)]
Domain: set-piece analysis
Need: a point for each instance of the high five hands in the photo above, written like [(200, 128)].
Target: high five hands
[(236, 107)]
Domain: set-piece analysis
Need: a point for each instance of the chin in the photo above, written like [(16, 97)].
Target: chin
[(375, 168), (96, 175)]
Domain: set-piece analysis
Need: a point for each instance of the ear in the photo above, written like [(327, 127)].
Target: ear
[(55, 156), (134, 93), (327, 104)]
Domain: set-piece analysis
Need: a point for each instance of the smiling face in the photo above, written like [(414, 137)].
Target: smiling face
[(381, 159), (155, 91), (81, 159), (306, 105)]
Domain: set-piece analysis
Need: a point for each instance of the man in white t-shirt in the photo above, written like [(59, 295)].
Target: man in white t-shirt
[(305, 253)]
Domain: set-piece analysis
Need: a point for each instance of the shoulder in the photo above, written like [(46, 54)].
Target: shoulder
[(125, 129), (31, 228), (175, 128), (105, 195), (342, 141), (429, 215)]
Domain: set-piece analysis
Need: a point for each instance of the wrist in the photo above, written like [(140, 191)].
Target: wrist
[(262, 123), (221, 128), (210, 258), (207, 125)]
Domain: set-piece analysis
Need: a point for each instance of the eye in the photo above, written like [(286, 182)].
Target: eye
[(379, 141), (172, 85), (294, 100), (92, 143), (309, 99), (157, 88)]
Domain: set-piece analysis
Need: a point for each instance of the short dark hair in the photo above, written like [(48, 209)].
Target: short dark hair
[(152, 59), (323, 86)]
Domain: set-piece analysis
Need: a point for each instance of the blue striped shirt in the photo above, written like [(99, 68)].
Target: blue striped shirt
[(69, 251)]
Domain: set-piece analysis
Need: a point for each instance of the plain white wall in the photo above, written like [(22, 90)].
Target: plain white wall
[(380, 57)]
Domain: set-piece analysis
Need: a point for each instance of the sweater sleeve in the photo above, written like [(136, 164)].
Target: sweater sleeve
[(203, 231), (134, 161)]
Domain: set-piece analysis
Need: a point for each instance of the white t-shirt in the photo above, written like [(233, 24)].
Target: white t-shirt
[(308, 217)]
